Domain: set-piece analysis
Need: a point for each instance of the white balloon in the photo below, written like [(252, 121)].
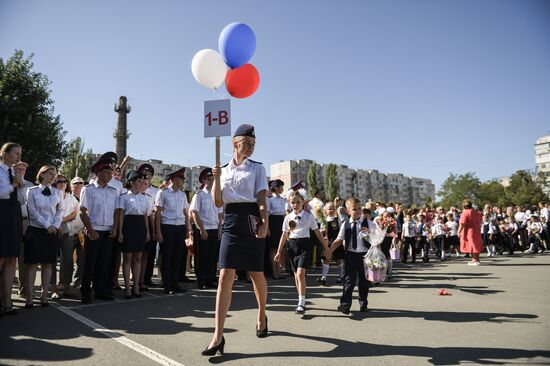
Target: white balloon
[(208, 68)]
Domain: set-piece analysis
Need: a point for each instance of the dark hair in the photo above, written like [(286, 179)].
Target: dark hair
[(366, 211), (8, 146), (67, 187)]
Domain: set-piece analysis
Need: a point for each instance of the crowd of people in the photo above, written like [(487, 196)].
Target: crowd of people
[(89, 229)]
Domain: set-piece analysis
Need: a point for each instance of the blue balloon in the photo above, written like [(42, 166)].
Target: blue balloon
[(237, 44)]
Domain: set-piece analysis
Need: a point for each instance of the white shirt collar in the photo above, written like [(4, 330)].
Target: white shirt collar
[(301, 213), (233, 165)]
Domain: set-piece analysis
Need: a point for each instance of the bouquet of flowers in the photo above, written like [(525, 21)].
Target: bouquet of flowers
[(375, 261)]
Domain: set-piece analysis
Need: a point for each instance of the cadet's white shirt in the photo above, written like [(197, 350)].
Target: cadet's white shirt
[(173, 204), (203, 204), (409, 229), (453, 228), (133, 204), (151, 194), (100, 203), (242, 183), (544, 212), (520, 217), (115, 183), (45, 211), (361, 248), (5, 186), (276, 205), (304, 223)]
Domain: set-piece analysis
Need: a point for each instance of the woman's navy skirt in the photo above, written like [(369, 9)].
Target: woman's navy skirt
[(11, 228), (239, 248), (134, 233)]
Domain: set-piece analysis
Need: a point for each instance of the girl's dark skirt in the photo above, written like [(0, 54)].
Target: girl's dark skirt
[(40, 246), (134, 233), (298, 250), (239, 248), (11, 228), (275, 230)]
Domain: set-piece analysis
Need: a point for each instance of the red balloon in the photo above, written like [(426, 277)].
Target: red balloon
[(243, 81)]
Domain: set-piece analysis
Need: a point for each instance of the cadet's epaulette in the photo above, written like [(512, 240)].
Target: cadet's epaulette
[(147, 194), (253, 161), (225, 165), (154, 186), (33, 187), (111, 187), (124, 193)]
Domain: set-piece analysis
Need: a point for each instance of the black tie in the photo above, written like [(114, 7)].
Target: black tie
[(13, 194), (354, 235), (46, 191)]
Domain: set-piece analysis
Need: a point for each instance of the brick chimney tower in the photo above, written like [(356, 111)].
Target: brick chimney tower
[(121, 132)]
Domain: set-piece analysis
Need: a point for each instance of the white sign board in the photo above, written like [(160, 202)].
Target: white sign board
[(217, 118)]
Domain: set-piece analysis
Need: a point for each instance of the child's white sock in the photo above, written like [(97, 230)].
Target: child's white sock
[(326, 267), (442, 254), (301, 300)]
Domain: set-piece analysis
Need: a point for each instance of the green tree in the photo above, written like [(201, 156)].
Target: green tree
[(494, 193), (27, 113), (77, 162), (312, 185), (523, 190), (332, 186), (459, 187)]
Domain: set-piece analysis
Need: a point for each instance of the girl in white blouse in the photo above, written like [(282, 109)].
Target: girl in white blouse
[(46, 207), (133, 230)]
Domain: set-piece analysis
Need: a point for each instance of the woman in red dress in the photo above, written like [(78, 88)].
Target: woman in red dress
[(470, 232)]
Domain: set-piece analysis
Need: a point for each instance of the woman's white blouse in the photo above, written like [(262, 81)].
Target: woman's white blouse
[(276, 205), (242, 183), (133, 204), (45, 211)]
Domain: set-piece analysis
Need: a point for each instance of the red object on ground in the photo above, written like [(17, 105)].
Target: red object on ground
[(443, 292)]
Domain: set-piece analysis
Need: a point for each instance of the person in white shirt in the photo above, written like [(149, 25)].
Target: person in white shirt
[(97, 211), (46, 207), (133, 230), (438, 237), (12, 196), (408, 235), (149, 255), (67, 242), (172, 228), (241, 188), (351, 236), (451, 227), (77, 183), (206, 217), (545, 219), (296, 237), (276, 205)]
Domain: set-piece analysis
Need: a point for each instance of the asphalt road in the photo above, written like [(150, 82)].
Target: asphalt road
[(498, 313)]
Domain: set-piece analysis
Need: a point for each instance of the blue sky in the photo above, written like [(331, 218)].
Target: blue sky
[(423, 88)]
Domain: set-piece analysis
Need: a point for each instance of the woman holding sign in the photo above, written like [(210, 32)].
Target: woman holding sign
[(241, 186)]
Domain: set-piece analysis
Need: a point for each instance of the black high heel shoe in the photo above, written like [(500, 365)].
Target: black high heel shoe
[(262, 333), (212, 351)]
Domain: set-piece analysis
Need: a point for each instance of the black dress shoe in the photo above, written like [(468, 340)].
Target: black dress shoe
[(106, 297), (179, 289), (262, 333), (167, 291), (212, 351), (29, 306), (363, 308), (10, 311), (343, 309), (86, 300), (44, 304), (186, 279)]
